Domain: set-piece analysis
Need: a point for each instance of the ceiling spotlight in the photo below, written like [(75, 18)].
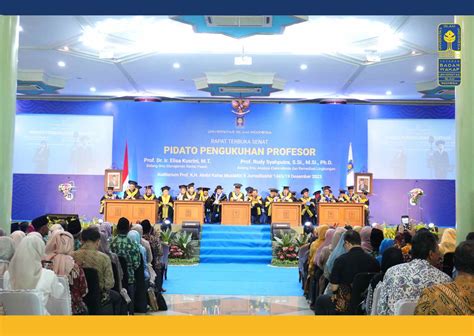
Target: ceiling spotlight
[(420, 68), (414, 52), (303, 67), (61, 64), (388, 93), (176, 65), (92, 89)]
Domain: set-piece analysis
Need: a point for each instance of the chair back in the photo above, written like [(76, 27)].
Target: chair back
[(375, 301), (405, 307), (141, 288), (359, 286), (116, 278), (62, 305), (303, 257), (93, 297), (22, 302)]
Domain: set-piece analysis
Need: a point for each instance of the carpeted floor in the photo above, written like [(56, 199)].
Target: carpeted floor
[(233, 279)]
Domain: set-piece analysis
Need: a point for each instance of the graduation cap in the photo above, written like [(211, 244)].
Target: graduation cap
[(273, 190), (237, 185), (350, 188), (39, 222), (183, 186), (365, 193), (218, 187), (318, 192), (139, 186), (293, 192), (342, 191), (205, 188), (191, 185), (110, 188), (149, 187), (326, 188), (249, 190), (133, 182), (286, 188), (165, 188), (304, 190)]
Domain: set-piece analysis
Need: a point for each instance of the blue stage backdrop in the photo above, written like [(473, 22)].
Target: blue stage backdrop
[(300, 145)]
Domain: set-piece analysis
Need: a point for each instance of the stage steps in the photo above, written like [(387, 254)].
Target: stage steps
[(236, 244)]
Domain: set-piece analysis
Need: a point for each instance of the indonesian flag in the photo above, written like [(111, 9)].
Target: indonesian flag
[(350, 168), (125, 176)]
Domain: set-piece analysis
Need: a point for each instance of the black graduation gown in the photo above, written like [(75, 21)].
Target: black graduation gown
[(216, 208), (103, 199), (127, 192), (166, 211)]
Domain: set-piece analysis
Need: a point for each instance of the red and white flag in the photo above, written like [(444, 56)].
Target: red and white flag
[(125, 176)]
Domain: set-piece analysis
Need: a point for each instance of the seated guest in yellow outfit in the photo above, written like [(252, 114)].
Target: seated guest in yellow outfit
[(149, 194), (132, 192), (353, 197), (454, 298)]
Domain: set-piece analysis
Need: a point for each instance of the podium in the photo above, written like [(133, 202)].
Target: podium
[(133, 210), (341, 214), (287, 212), (188, 211), (236, 213)]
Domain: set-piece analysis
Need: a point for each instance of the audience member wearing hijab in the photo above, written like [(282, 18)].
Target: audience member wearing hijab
[(376, 237), (106, 228), (149, 254), (26, 272), (17, 237), (391, 256), (448, 241), (365, 234), (327, 242), (55, 227), (104, 247), (313, 249), (337, 251), (157, 253), (386, 243), (134, 236), (59, 249), (7, 249)]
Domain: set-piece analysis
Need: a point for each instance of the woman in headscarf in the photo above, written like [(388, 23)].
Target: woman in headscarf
[(376, 237), (106, 228), (7, 249), (365, 238), (390, 257), (149, 255), (157, 253), (58, 252), (17, 237), (336, 253), (313, 249), (386, 243), (26, 272), (55, 227), (448, 241), (104, 247), (134, 236)]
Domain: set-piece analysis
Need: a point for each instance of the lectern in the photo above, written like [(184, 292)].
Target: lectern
[(188, 211), (133, 210), (235, 213), (287, 212), (341, 214)]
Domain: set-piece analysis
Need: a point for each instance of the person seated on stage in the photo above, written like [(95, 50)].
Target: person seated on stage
[(364, 199), (353, 197), (182, 192), (149, 195), (132, 192), (204, 197), (293, 196), (317, 197), (308, 211), (327, 196), (191, 194), (285, 195), (215, 201), (248, 194), (343, 198), (165, 206), (109, 195), (273, 197), (236, 195), (256, 205)]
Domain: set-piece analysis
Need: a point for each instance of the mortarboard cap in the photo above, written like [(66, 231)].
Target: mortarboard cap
[(149, 187), (304, 190), (183, 186), (249, 189), (237, 185), (205, 188), (286, 187), (326, 188), (273, 190), (342, 191), (218, 187), (133, 182), (317, 192), (350, 188), (110, 188), (165, 188), (191, 185)]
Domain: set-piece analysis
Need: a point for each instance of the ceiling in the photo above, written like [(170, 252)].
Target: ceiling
[(372, 57)]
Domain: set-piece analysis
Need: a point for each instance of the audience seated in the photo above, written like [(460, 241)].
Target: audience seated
[(17, 236), (59, 251), (470, 236), (74, 227), (376, 238), (149, 254), (406, 281), (342, 275), (365, 234), (448, 241), (25, 271), (7, 249), (454, 298), (40, 225), (156, 251), (386, 243)]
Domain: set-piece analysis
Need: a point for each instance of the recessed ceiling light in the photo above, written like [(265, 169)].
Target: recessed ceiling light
[(420, 68), (176, 65), (61, 64), (388, 93), (414, 52), (303, 67), (65, 48), (20, 29), (92, 89)]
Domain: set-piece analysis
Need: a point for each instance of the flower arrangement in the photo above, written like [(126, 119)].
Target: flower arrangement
[(182, 246), (415, 195), (286, 248)]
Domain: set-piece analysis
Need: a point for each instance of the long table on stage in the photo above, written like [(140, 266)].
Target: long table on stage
[(133, 210), (287, 212), (188, 211), (341, 214), (236, 213)]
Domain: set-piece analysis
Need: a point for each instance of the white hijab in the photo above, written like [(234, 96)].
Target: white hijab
[(25, 267)]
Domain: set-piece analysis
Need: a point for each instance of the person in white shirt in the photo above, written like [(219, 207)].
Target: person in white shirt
[(26, 271)]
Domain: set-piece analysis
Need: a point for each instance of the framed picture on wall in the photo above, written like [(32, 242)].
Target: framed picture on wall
[(363, 182), (113, 178)]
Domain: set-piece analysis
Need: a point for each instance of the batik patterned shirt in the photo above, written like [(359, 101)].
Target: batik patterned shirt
[(126, 248), (406, 282)]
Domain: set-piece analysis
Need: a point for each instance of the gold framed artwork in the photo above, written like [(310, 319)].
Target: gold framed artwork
[(113, 178), (363, 182)]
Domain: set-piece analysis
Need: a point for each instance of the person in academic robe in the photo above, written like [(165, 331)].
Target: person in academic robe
[(165, 204), (342, 198), (364, 199), (308, 209), (327, 196), (149, 195), (256, 203), (353, 197), (191, 194), (285, 195), (203, 193), (132, 192), (294, 197), (248, 194), (109, 195), (215, 200), (182, 192), (316, 199), (236, 195), (273, 197)]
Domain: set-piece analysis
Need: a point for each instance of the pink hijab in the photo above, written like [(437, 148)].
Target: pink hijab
[(58, 250), (327, 241), (365, 238)]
